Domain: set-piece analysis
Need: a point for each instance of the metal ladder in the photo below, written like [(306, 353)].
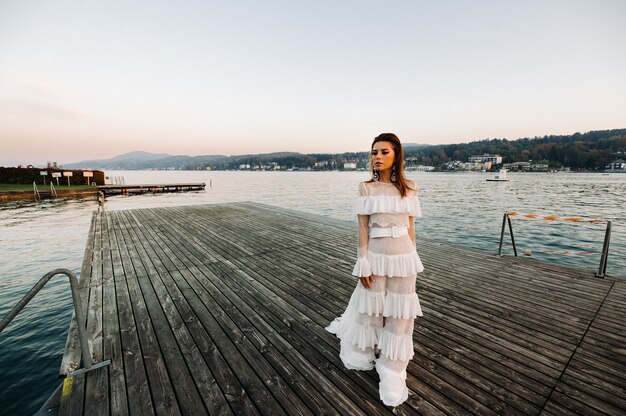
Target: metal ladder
[(78, 310), (36, 192)]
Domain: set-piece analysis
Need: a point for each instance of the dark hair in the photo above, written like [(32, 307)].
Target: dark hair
[(398, 162)]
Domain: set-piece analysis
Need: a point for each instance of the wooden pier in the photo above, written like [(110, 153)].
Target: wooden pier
[(221, 309), (107, 190), (143, 188)]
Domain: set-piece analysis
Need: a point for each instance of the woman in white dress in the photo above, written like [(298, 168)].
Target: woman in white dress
[(376, 329)]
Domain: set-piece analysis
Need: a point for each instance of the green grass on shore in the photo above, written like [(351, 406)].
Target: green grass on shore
[(45, 188)]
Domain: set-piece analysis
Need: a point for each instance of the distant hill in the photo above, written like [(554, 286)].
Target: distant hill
[(139, 155), (415, 145), (139, 160)]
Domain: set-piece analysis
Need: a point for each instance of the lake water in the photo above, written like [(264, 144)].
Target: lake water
[(459, 208)]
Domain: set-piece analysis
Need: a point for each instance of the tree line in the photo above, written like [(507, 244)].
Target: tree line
[(589, 151), (579, 151)]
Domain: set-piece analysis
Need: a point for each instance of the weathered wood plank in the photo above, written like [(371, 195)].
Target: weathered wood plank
[(135, 378), (112, 347), (595, 380), (298, 383), (97, 383), (166, 291), (256, 294), (187, 394), (72, 396), (582, 402), (441, 394), (162, 391), (525, 375), (526, 323), (506, 388), (236, 395), (229, 362), (555, 409)]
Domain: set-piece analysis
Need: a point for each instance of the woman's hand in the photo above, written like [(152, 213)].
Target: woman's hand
[(367, 281)]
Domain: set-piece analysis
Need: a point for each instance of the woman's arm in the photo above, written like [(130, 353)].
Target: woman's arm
[(364, 230), (362, 268), (412, 229)]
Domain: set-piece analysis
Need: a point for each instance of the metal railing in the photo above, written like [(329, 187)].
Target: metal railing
[(506, 219), (36, 192), (78, 309), (117, 180), (53, 191)]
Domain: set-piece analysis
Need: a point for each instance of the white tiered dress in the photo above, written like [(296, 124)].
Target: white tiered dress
[(381, 318)]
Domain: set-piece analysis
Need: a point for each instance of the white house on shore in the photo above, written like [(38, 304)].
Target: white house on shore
[(618, 165), (494, 159)]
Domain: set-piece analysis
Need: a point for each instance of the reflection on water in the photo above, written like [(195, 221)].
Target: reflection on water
[(461, 209)]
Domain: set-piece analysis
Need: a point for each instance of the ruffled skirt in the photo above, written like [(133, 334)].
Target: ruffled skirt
[(380, 317)]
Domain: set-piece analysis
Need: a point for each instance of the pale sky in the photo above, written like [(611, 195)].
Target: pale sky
[(94, 79)]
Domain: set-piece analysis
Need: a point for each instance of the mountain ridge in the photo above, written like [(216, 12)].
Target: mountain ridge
[(142, 158)]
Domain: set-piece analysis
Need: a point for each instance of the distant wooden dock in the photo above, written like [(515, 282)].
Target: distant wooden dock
[(107, 190), (143, 188), (221, 309)]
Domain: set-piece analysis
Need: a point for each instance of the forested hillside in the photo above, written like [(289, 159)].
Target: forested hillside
[(592, 150)]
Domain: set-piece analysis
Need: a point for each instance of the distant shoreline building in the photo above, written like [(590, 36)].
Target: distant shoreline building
[(494, 159), (618, 165), (527, 167)]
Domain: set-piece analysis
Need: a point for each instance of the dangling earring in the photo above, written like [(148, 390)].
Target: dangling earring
[(393, 174), (376, 176)]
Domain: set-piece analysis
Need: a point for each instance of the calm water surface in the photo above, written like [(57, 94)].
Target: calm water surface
[(459, 208)]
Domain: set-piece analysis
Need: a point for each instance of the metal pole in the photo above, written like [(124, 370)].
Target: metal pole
[(605, 250), (36, 192), (81, 319), (502, 233), (511, 231)]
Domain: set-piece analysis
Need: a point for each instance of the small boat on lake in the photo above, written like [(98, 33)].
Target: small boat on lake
[(500, 177)]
